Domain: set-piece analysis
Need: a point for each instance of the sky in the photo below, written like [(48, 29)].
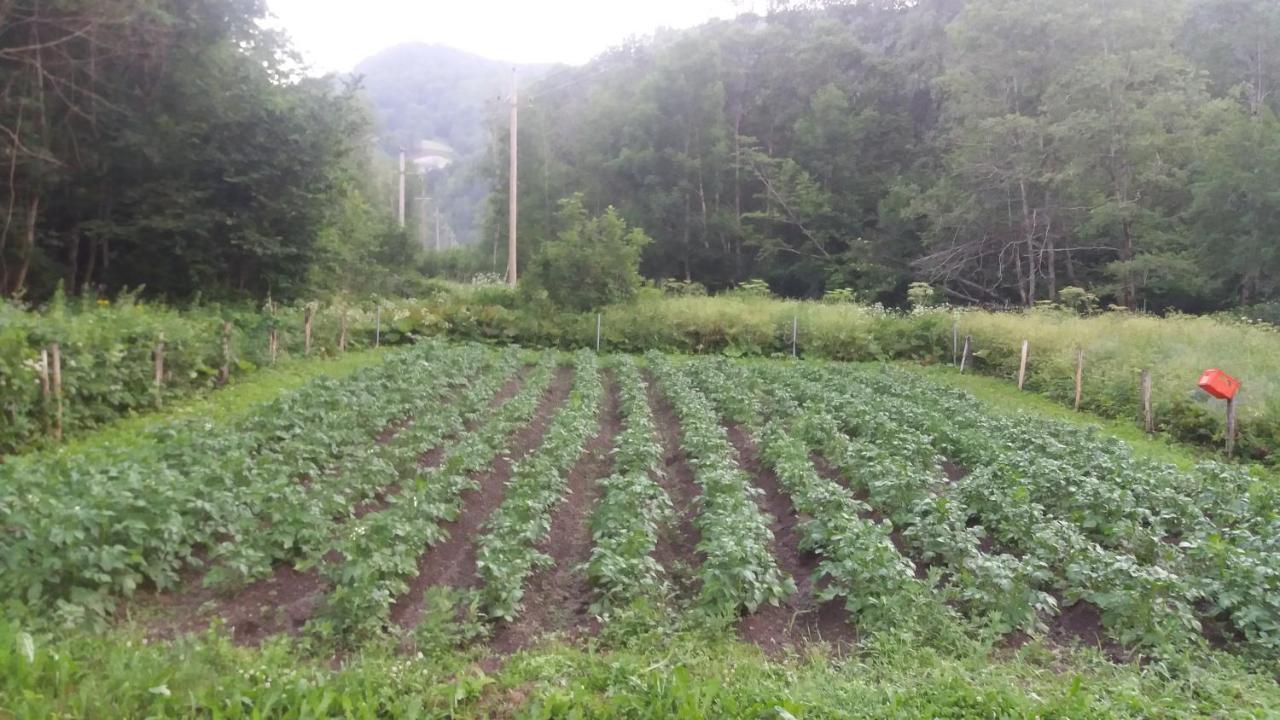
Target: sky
[(334, 35)]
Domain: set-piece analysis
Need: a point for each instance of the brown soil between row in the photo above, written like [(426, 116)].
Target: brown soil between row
[(800, 619), (452, 563), (284, 601), (678, 543), (558, 598)]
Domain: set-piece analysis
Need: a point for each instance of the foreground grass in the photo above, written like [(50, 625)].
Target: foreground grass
[(684, 675)]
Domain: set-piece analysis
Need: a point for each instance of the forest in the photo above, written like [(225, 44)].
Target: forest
[(999, 150), (176, 146)]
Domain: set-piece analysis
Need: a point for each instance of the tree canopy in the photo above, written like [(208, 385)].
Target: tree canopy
[(171, 144), (999, 149)]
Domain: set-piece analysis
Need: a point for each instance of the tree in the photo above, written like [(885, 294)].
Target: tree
[(592, 262)]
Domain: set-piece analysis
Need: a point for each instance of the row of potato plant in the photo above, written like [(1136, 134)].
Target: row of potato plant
[(1047, 542), (298, 518), (295, 517), (859, 562), (739, 570), (1208, 537), (83, 527), (996, 588), (633, 508), (507, 553), (990, 566), (379, 552)]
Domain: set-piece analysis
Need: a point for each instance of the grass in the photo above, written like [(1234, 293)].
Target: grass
[(687, 674)]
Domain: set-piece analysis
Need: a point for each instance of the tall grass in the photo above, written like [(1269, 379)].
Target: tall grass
[(109, 347)]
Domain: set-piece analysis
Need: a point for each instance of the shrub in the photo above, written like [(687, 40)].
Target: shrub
[(592, 262)]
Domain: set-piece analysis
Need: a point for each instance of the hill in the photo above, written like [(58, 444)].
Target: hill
[(431, 92)]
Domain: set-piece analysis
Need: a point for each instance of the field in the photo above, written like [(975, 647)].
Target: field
[(462, 529)]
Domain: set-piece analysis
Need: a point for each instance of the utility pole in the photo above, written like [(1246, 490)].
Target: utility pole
[(425, 199), (512, 200), (401, 215)]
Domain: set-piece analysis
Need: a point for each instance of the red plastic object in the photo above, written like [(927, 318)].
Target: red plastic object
[(1219, 384)]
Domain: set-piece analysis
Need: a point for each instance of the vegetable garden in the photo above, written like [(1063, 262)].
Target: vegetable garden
[(424, 497)]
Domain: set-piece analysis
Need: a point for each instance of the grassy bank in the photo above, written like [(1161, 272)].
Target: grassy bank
[(684, 675)]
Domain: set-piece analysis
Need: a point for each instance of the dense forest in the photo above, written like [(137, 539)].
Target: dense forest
[(175, 145), (999, 149)]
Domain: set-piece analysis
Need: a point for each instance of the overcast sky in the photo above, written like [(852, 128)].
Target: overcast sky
[(334, 35)]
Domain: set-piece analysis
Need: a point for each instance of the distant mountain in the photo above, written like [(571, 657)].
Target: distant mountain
[(423, 92)]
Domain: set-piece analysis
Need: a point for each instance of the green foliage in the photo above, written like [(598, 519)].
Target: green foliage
[(1078, 300), (679, 288), (921, 295), (592, 262), (839, 295)]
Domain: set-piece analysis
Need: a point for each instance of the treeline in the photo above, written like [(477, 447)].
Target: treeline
[(175, 144), (999, 149)]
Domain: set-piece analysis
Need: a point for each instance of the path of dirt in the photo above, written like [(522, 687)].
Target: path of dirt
[(800, 619), (557, 598), (284, 601), (452, 563), (677, 543)]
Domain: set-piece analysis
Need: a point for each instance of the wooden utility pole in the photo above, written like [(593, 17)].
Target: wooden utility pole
[(512, 200), (401, 211)]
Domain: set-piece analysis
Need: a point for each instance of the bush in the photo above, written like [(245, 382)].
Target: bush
[(592, 262)]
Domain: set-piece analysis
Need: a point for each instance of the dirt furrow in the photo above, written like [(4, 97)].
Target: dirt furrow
[(452, 563), (285, 600), (435, 455), (800, 619), (557, 598), (677, 543)]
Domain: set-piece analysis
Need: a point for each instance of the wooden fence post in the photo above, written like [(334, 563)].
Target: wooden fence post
[(1231, 427), (158, 357), (342, 336), (55, 352), (1148, 419), (377, 332), (224, 372), (599, 325), (795, 332), (44, 387), (1022, 365), (964, 356), (273, 343), (1079, 376), (306, 330)]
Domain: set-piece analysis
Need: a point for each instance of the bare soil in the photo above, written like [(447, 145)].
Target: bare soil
[(435, 455), (283, 602), (558, 598), (452, 563), (800, 619), (678, 542), (1081, 623)]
